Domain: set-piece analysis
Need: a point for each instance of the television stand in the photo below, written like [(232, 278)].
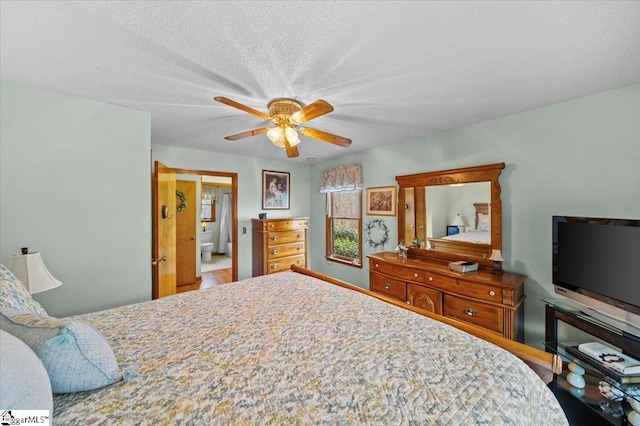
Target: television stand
[(573, 318), (620, 325)]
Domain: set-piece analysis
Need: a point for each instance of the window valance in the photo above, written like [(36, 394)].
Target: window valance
[(342, 179), (209, 192)]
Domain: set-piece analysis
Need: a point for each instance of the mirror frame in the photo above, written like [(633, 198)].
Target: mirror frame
[(489, 172)]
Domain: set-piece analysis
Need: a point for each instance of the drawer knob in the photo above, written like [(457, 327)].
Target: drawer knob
[(299, 261), (299, 235), (430, 278), (274, 237), (299, 248), (492, 293), (274, 251), (376, 265), (387, 286), (415, 275), (274, 265), (471, 312)]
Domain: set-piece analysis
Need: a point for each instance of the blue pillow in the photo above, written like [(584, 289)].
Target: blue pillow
[(76, 356)]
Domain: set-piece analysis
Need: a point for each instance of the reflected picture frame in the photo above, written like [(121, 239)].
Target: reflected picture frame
[(382, 201), (276, 190)]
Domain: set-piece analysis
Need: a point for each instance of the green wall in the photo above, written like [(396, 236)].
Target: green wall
[(74, 179), (579, 157)]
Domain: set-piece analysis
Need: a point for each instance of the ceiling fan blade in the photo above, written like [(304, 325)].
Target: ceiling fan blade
[(311, 111), (244, 108), (326, 137), (247, 134), (292, 150)]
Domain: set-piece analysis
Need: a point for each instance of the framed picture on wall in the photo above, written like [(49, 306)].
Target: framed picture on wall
[(381, 201), (276, 192), (452, 230)]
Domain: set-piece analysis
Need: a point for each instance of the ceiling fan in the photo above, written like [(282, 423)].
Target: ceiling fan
[(287, 115)]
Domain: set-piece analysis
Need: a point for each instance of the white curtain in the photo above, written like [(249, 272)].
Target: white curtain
[(225, 223)]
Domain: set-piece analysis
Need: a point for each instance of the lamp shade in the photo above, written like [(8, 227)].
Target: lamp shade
[(496, 256), (292, 136), (276, 135), (30, 270), (458, 221)]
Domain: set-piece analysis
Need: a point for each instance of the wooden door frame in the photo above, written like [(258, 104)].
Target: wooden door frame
[(234, 210)]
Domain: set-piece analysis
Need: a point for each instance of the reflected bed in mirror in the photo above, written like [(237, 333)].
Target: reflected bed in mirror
[(474, 239), (458, 213)]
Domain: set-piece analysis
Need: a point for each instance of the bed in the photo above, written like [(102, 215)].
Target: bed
[(298, 347), (476, 242)]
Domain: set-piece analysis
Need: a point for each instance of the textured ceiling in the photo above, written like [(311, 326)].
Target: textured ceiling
[(393, 71)]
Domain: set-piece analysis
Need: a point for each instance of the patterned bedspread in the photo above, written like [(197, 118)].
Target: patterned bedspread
[(291, 349)]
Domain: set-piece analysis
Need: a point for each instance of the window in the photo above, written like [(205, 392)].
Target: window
[(344, 225), (343, 186)]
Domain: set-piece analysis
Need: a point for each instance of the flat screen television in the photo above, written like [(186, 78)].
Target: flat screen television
[(596, 262)]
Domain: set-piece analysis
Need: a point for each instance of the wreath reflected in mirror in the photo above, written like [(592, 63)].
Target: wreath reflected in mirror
[(183, 201), (376, 233)]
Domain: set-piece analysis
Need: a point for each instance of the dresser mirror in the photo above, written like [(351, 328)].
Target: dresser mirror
[(451, 214)]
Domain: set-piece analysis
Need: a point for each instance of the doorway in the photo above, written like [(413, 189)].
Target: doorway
[(216, 240), (201, 274)]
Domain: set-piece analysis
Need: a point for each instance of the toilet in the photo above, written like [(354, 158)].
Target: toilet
[(206, 246)]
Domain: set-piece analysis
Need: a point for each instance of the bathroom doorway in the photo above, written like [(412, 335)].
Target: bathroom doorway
[(216, 237), (211, 234)]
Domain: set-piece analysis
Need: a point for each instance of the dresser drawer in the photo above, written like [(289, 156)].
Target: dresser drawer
[(401, 272), (284, 263), (284, 237), (284, 250), (424, 298), (487, 316), (470, 289), (285, 225), (388, 286)]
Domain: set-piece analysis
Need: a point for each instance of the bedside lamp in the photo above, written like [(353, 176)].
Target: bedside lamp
[(459, 223), (30, 270), (496, 259)]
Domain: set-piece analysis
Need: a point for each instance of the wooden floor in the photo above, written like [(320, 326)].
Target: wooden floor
[(209, 279), (212, 278)]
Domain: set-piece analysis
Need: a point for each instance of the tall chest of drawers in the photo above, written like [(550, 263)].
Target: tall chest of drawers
[(493, 302), (278, 244)]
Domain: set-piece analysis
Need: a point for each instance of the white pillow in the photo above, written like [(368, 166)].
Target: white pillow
[(484, 222), (24, 383)]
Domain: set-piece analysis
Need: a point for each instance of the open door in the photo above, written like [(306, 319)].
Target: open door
[(164, 231)]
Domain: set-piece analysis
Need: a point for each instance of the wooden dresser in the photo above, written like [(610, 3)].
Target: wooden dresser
[(494, 302), (278, 244)]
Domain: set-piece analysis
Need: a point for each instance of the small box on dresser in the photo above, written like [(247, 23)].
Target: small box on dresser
[(278, 244)]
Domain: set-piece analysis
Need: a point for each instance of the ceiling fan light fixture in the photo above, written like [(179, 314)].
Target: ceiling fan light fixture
[(279, 142), (292, 136), (274, 134), (296, 118)]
